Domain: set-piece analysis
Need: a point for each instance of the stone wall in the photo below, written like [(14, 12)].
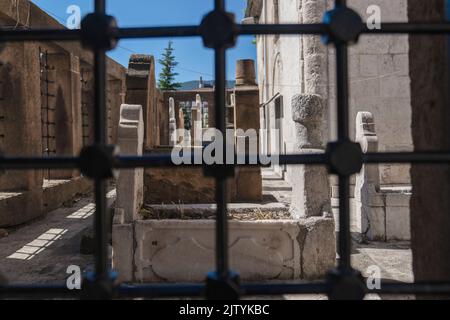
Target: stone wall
[(379, 80), (430, 202), (46, 109)]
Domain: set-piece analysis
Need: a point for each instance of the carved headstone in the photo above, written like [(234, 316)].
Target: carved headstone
[(131, 181), (369, 215), (367, 138)]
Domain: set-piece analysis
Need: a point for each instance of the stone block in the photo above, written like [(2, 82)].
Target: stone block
[(397, 199), (368, 65), (398, 225), (20, 207), (56, 195), (369, 222), (259, 250), (123, 250), (318, 246), (249, 185), (395, 87)]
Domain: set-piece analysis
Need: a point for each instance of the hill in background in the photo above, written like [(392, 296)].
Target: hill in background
[(192, 85)]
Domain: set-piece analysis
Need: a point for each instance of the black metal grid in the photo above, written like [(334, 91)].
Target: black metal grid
[(341, 27), (48, 126)]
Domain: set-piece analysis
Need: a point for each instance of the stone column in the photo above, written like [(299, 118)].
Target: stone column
[(369, 216), (315, 57), (310, 187), (246, 99), (172, 123), (245, 73), (21, 118), (315, 53)]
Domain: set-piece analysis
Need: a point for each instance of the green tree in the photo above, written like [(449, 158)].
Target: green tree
[(167, 76)]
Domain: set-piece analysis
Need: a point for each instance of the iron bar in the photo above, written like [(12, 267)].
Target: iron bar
[(100, 137), (344, 244), (221, 186), (7, 35), (165, 160)]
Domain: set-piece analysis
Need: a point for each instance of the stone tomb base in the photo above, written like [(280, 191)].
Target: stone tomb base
[(184, 250), (19, 207)]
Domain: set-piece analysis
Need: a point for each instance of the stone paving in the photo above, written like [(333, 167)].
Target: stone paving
[(41, 252)]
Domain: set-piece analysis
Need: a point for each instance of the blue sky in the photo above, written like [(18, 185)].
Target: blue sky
[(194, 60)]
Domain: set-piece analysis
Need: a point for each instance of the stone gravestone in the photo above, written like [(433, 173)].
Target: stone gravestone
[(131, 181), (180, 132), (130, 187), (172, 123), (245, 99), (196, 130), (369, 203), (310, 186)]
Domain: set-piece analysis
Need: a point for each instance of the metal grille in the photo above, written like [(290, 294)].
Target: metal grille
[(48, 124), (86, 108), (219, 32)]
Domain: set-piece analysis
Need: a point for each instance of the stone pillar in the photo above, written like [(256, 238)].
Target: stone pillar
[(172, 123), (430, 202), (369, 218), (130, 182), (21, 118), (196, 130), (141, 90), (315, 58), (245, 73), (246, 99), (310, 187)]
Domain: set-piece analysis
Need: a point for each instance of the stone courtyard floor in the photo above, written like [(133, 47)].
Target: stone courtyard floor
[(41, 252)]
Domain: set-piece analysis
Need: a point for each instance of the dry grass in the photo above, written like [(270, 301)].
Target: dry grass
[(150, 213)]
